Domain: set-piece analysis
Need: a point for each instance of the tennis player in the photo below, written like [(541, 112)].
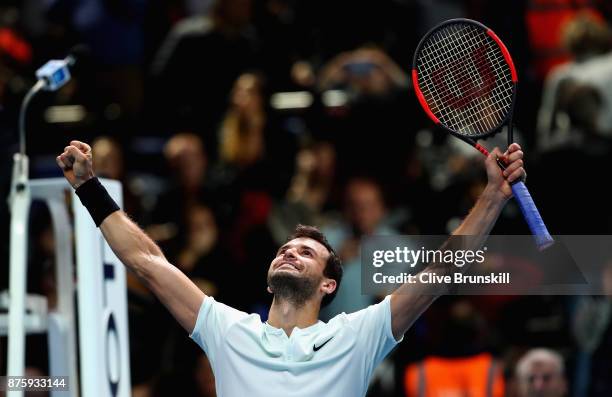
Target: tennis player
[(293, 353)]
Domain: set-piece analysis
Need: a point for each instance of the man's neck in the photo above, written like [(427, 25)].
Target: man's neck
[(284, 314)]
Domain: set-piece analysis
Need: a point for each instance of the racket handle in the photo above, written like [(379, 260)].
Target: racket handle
[(532, 216)]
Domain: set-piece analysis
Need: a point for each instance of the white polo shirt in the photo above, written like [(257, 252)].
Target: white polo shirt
[(252, 358)]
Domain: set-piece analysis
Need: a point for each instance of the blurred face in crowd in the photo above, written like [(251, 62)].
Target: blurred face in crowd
[(296, 273), (246, 95), (108, 158), (364, 205), (203, 230), (325, 156), (186, 156), (541, 377)]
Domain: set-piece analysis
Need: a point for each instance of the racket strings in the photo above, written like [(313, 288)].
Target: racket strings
[(472, 120), (468, 96), (465, 79)]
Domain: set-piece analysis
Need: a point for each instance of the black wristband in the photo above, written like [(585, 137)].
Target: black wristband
[(97, 200)]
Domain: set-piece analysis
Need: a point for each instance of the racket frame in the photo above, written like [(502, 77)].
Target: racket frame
[(530, 212)]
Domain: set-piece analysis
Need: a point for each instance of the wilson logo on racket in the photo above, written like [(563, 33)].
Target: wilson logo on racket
[(463, 92)]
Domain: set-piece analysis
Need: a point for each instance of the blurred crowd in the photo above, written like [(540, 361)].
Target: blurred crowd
[(228, 122)]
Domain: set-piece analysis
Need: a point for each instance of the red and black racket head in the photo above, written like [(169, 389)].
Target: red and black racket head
[(465, 79)]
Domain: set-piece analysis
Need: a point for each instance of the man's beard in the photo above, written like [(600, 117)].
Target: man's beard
[(291, 288)]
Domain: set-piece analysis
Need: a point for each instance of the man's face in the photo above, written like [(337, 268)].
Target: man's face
[(297, 270), (542, 379)]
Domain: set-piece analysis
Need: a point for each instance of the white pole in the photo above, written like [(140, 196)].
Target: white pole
[(20, 208), (62, 322)]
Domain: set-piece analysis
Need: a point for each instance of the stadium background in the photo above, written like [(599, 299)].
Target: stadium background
[(229, 121)]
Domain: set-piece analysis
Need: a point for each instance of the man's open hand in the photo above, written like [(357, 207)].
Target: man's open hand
[(76, 163)]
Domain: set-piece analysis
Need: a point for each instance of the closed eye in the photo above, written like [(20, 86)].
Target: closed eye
[(304, 251)]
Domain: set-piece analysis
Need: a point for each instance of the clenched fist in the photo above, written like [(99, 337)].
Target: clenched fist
[(76, 162)]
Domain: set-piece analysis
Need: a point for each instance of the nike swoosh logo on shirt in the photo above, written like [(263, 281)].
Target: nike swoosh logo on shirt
[(315, 348)]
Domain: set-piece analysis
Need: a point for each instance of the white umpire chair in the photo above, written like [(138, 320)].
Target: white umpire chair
[(100, 366)]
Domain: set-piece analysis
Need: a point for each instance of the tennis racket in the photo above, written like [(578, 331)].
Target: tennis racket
[(465, 80)]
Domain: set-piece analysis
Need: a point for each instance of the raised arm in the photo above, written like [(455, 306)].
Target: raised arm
[(410, 300), (131, 245)]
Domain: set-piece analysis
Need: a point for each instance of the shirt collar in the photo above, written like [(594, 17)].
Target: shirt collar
[(296, 330)]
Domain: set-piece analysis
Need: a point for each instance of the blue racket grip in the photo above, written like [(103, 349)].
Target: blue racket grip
[(532, 216)]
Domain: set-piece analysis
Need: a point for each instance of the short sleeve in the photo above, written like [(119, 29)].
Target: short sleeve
[(214, 319), (375, 333)]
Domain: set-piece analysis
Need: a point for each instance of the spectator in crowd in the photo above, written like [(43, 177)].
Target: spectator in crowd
[(590, 42), (186, 156), (313, 182), (541, 373), (575, 119), (366, 71), (202, 234), (109, 158), (312, 190), (199, 253), (187, 160), (254, 153), (460, 364), (242, 130)]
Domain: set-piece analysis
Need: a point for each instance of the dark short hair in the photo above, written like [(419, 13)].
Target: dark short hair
[(333, 267)]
